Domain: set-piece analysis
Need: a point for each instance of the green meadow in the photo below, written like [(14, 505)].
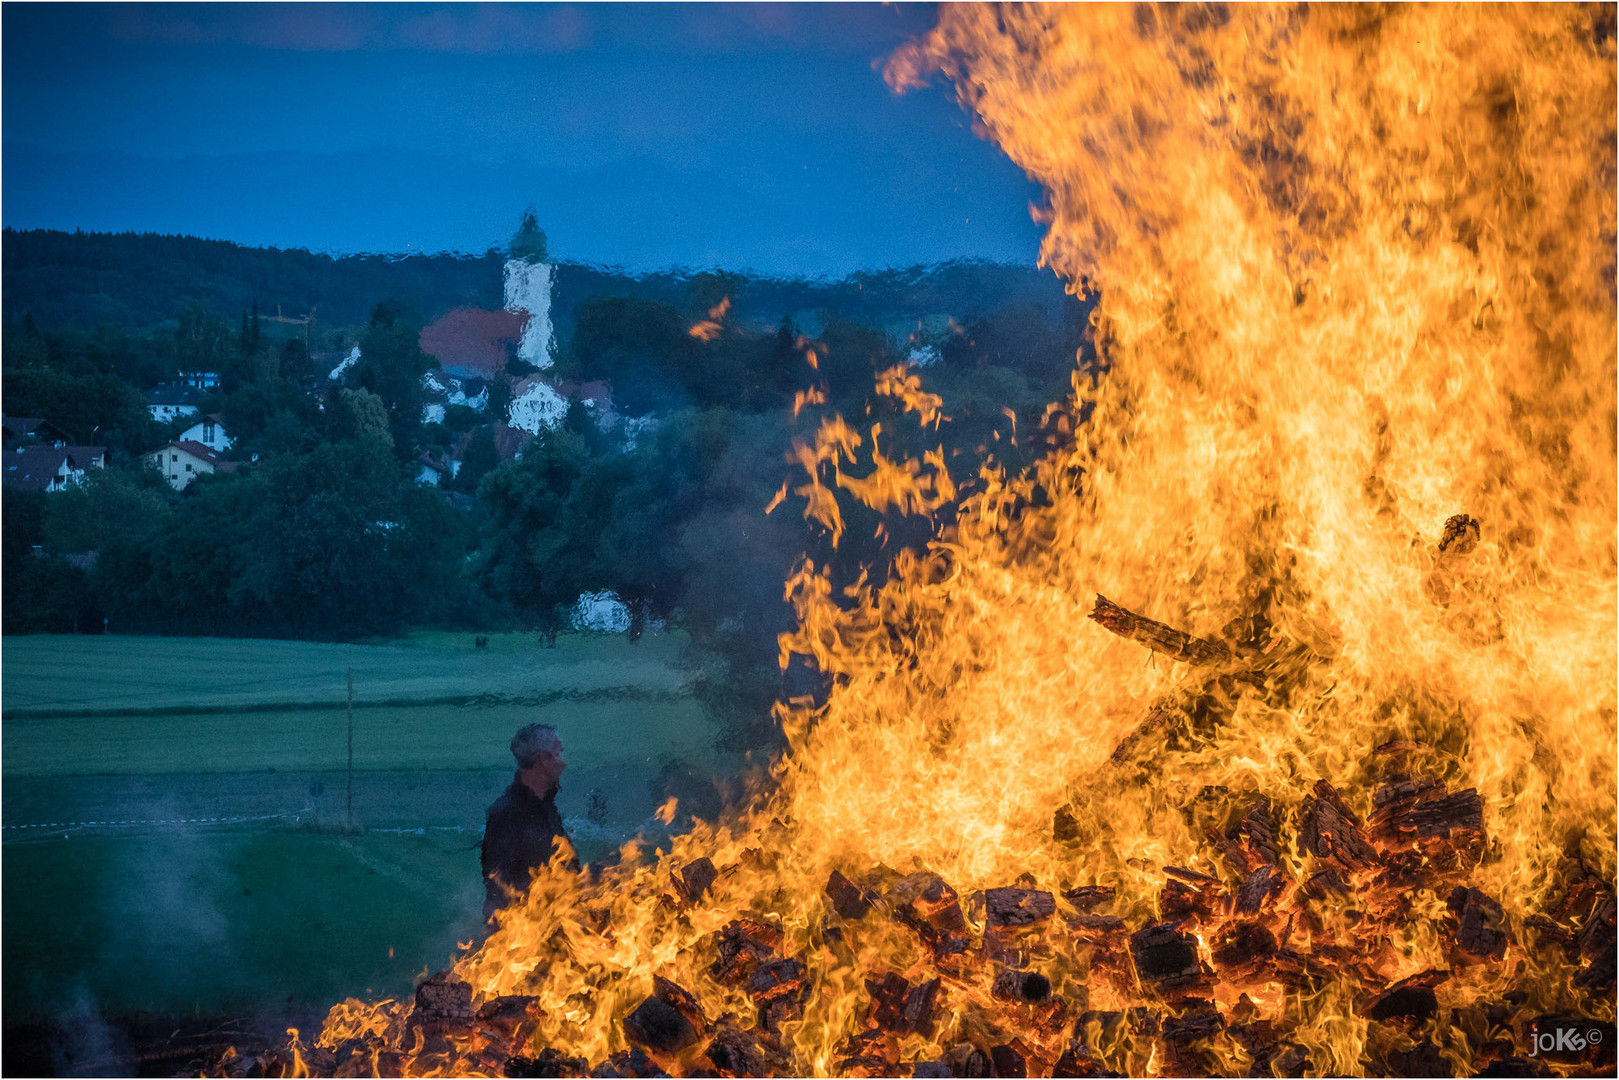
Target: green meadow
[(177, 811)]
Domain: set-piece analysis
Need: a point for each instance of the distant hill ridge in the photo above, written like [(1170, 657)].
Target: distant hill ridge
[(134, 282)]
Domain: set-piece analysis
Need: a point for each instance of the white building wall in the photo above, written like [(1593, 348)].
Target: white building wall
[(180, 467), (540, 408), (210, 435), (528, 288)]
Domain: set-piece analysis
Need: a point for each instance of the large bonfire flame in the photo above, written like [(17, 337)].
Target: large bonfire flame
[(1345, 802)]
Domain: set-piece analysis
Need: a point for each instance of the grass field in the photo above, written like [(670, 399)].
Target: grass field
[(61, 674), (122, 888)]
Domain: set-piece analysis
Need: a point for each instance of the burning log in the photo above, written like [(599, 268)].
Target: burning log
[(443, 1003), (1410, 998), (965, 1059), (1010, 1059), (899, 1008), (848, 899), (1150, 732), (872, 1052), (695, 879), (931, 907), (667, 1022), (1425, 822), (1077, 1060), (1086, 897), (1199, 1020), (743, 945), (1478, 923), (1029, 987), (1096, 928), (631, 1064), (1159, 637), (736, 1052), (1257, 889), (1017, 908), (1333, 831), (779, 989), (927, 900), (1251, 842), (1421, 1060), (1166, 959), (548, 1064)]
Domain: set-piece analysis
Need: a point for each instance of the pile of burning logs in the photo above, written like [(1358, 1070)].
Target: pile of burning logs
[(1030, 981), (1013, 970)]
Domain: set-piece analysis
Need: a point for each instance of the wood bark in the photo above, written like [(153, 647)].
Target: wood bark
[(1159, 637)]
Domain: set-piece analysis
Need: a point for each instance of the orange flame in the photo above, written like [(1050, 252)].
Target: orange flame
[(1356, 277)]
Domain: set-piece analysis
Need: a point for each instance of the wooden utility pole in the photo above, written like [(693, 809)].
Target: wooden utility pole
[(351, 749)]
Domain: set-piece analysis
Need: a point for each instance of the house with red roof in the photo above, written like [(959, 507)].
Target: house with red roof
[(183, 460)]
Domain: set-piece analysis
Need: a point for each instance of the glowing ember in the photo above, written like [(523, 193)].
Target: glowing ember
[(1336, 794)]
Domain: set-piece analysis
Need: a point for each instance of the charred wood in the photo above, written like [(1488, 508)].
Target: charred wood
[(443, 1002), (1410, 998), (1078, 1061), (695, 879), (631, 1064), (548, 1064), (1086, 897), (1029, 987), (1159, 637), (1150, 733), (1198, 1020), (1010, 1059), (1253, 839), (1442, 827), (506, 1017), (1478, 923), (1333, 831), (735, 1052), (899, 1008), (1257, 889), (1165, 958), (965, 1059), (1180, 903), (1421, 1060), (660, 1027), (926, 900), (870, 1053), (779, 989), (743, 945), (848, 899), (1014, 908)]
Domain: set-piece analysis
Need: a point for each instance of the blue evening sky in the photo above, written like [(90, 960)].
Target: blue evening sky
[(746, 136)]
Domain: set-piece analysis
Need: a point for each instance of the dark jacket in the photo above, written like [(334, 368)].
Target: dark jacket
[(519, 834)]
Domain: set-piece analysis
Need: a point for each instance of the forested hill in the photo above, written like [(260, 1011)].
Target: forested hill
[(134, 282)]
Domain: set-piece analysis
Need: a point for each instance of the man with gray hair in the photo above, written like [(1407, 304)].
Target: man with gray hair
[(522, 826)]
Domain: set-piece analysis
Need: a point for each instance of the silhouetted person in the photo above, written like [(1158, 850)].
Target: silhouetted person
[(522, 826)]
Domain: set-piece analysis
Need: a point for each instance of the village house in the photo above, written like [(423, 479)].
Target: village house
[(434, 471), (183, 460), (210, 431), (50, 468), (31, 431), (170, 401)]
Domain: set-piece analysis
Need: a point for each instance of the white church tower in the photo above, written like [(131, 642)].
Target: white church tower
[(528, 289)]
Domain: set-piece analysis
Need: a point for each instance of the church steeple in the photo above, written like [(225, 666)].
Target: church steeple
[(529, 244)]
